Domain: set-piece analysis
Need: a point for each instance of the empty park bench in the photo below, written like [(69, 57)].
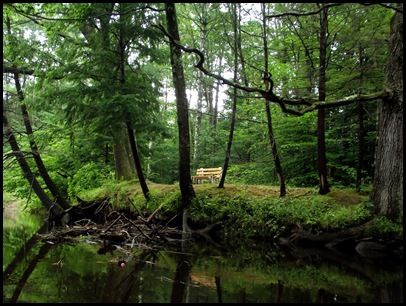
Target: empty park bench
[(211, 174)]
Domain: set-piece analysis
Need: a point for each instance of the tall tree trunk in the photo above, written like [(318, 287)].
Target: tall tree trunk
[(267, 75), (130, 131), (234, 109), (361, 129), (28, 174), (185, 181), (361, 144), (387, 193), (321, 141), (197, 149), (213, 117)]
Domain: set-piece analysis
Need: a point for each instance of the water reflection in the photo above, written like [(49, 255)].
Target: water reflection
[(77, 273)]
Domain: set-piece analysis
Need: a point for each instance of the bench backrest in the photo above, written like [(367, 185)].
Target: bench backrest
[(210, 171)]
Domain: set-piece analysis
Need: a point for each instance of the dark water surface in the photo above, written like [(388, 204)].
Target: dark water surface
[(36, 271)]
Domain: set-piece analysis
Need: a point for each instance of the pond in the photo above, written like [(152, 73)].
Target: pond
[(37, 271)]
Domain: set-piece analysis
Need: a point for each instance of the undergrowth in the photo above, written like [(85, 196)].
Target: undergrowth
[(245, 211)]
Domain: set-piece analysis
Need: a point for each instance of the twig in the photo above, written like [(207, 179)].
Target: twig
[(154, 213), (114, 222)]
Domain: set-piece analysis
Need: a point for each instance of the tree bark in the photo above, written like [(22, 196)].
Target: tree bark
[(197, 147), (28, 174), (387, 193), (122, 156), (321, 141), (234, 109), (267, 76), (185, 181), (37, 157), (137, 162), (361, 144)]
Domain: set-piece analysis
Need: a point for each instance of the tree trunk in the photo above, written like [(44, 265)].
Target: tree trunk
[(361, 130), (213, 117), (197, 149), (234, 110), (321, 141), (124, 164), (37, 157), (361, 144), (28, 174), (387, 193), (278, 167), (185, 181), (137, 162)]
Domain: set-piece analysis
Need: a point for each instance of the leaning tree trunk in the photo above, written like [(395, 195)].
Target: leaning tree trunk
[(387, 193), (37, 157), (137, 162), (28, 174)]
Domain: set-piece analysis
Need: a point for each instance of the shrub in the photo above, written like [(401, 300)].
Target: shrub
[(90, 176)]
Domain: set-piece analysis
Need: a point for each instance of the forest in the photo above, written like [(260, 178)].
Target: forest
[(277, 94)]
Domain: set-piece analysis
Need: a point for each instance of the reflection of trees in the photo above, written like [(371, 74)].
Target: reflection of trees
[(181, 279), (121, 281), (357, 266), (21, 254), (279, 292), (218, 289), (184, 276), (30, 268)]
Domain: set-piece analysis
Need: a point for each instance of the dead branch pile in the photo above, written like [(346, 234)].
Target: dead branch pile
[(119, 230)]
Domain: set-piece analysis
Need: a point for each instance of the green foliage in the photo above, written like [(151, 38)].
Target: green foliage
[(252, 174), (244, 216), (387, 230), (7, 197), (90, 176)]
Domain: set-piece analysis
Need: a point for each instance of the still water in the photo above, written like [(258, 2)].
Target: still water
[(36, 271)]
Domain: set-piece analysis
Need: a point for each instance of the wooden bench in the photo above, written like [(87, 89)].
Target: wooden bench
[(211, 174)]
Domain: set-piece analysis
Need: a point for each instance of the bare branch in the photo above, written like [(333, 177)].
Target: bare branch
[(31, 16), (386, 5), (304, 14), (345, 101), (22, 70)]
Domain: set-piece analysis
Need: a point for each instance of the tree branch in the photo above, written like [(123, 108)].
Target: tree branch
[(270, 96), (304, 14), (22, 70)]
